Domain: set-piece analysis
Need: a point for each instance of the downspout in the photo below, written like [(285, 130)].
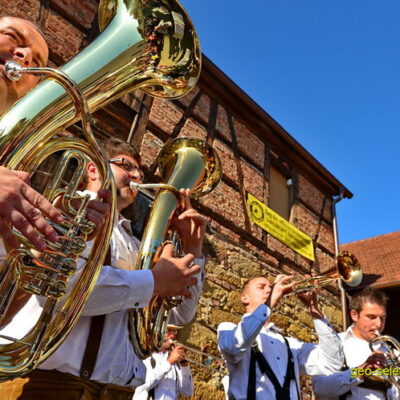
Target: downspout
[(343, 297)]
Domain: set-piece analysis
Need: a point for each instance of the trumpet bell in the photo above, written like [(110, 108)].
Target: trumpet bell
[(349, 268)]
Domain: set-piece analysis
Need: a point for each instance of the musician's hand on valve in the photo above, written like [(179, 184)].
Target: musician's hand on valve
[(191, 227), (174, 276), (282, 285), (177, 354), (25, 209), (375, 361), (97, 211), (310, 300)]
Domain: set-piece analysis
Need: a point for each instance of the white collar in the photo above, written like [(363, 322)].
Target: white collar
[(350, 334)]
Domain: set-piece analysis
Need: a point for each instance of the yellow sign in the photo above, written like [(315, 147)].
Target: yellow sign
[(278, 227)]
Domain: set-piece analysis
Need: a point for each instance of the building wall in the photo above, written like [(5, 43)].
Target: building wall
[(235, 248)]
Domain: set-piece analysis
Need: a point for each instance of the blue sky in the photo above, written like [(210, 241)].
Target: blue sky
[(329, 73)]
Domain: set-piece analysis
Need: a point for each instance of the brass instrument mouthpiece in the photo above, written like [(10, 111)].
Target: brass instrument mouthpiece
[(13, 70), (134, 186)]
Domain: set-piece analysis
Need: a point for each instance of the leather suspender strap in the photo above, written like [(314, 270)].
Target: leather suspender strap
[(94, 339), (150, 396), (290, 373), (251, 385), (281, 392), (92, 346)]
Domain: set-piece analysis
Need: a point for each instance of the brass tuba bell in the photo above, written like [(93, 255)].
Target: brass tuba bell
[(147, 44), (184, 163)]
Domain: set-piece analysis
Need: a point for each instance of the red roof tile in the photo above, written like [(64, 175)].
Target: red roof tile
[(379, 257)]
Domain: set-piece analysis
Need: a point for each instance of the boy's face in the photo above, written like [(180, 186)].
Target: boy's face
[(20, 42)]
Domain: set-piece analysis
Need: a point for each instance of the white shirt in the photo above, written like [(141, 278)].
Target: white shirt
[(116, 291), (168, 380), (235, 342), (356, 352)]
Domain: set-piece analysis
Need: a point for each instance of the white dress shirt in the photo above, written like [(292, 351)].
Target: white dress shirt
[(117, 289), (168, 380), (356, 352), (235, 342)]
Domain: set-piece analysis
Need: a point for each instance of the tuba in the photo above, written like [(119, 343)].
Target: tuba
[(146, 44), (184, 163)]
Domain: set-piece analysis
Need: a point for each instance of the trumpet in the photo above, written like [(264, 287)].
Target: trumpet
[(348, 270), (204, 359)]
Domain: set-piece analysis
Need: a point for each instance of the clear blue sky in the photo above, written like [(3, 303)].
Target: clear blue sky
[(328, 71)]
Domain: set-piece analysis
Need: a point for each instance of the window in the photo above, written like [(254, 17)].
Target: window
[(280, 193)]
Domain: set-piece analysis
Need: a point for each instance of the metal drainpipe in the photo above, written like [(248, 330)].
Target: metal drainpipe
[(343, 297)]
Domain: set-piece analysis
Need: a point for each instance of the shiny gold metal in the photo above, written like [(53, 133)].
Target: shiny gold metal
[(204, 359), (183, 163), (146, 44), (392, 353), (348, 270)]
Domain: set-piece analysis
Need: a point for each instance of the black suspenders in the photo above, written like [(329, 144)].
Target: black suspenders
[(281, 392)]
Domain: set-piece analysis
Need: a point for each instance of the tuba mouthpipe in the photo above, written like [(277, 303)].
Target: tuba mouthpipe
[(112, 66), (144, 188)]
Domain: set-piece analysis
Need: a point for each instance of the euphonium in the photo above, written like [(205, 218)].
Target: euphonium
[(392, 354), (183, 163), (147, 44)]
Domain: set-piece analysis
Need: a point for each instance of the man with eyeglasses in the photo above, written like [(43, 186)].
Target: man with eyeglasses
[(97, 360), (128, 167)]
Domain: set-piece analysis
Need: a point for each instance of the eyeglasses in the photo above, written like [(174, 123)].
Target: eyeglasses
[(127, 166)]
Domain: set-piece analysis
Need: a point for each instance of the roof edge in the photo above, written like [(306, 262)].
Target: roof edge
[(214, 81)]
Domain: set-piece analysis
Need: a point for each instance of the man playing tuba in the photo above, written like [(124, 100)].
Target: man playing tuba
[(22, 41), (97, 357)]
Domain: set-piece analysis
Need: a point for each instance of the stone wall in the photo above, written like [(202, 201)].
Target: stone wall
[(235, 248)]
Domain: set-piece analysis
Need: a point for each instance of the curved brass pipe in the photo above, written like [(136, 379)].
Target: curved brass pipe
[(184, 163), (147, 44)]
